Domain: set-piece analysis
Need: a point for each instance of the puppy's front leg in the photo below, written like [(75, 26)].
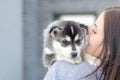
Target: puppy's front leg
[(48, 57)]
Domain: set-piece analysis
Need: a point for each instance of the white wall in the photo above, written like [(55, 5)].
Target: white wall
[(11, 40)]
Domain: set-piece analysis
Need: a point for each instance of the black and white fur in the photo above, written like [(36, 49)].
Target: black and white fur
[(64, 40)]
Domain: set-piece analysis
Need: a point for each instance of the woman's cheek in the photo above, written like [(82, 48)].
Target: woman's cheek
[(93, 41), (97, 41)]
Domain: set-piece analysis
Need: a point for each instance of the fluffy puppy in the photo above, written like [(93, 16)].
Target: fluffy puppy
[(64, 40)]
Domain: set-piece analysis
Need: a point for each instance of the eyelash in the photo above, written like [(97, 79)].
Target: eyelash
[(94, 31)]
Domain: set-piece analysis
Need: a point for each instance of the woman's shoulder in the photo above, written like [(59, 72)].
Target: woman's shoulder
[(67, 65), (62, 70), (79, 68)]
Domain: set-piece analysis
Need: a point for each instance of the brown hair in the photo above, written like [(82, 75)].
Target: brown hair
[(111, 44)]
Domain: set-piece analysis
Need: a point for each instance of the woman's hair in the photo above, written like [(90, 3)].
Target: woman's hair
[(111, 44)]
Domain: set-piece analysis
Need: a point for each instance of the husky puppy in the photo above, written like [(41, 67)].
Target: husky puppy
[(64, 40)]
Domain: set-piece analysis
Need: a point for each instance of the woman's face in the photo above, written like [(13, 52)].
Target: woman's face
[(96, 36)]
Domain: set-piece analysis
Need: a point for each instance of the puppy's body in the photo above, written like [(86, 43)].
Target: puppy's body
[(64, 40)]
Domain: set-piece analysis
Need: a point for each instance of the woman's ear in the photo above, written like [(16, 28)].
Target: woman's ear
[(54, 31)]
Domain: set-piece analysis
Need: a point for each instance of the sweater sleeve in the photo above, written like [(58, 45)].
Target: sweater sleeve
[(66, 71)]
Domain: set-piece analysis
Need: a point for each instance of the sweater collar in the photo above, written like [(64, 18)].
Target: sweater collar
[(92, 59)]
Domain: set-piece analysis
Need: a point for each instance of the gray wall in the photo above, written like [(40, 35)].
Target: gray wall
[(11, 43)]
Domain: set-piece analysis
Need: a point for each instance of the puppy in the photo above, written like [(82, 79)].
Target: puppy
[(64, 40)]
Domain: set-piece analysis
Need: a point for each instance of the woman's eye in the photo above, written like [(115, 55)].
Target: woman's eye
[(94, 31)]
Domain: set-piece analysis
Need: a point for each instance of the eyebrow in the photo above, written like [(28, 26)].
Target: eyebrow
[(95, 25)]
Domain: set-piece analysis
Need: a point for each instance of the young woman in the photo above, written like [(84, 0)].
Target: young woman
[(104, 44)]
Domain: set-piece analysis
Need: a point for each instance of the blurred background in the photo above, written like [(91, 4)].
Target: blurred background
[(21, 29)]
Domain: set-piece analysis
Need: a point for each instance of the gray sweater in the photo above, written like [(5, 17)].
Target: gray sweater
[(66, 71)]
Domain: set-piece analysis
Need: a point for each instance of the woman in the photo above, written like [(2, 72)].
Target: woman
[(104, 43)]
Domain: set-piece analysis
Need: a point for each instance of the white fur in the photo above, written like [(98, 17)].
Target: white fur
[(76, 37), (64, 53), (72, 30), (48, 51), (67, 38)]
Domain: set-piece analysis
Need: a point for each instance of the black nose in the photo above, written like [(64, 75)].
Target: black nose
[(74, 54)]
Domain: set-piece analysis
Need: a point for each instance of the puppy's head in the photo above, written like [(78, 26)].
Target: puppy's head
[(68, 39)]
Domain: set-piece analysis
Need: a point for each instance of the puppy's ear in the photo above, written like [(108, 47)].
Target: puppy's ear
[(54, 31), (84, 27)]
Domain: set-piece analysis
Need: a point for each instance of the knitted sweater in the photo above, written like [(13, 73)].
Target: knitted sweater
[(62, 70)]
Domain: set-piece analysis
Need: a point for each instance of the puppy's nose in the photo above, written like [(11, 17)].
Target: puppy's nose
[(74, 54)]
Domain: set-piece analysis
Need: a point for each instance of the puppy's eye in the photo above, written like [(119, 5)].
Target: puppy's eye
[(65, 42), (78, 41)]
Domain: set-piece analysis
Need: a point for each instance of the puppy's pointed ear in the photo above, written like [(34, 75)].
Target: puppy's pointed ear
[(84, 27), (54, 31)]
